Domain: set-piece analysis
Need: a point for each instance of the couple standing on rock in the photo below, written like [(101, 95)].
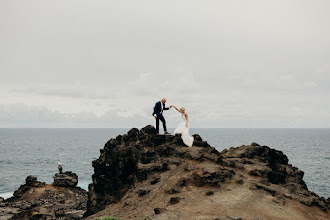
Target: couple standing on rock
[(182, 128)]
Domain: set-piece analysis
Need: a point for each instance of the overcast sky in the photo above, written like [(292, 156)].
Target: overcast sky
[(105, 63)]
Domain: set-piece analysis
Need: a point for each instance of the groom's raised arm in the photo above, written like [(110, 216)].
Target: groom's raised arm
[(166, 108)]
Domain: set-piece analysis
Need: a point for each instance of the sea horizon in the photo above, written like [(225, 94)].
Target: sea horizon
[(36, 151), (168, 127)]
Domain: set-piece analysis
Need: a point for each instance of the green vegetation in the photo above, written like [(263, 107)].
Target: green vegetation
[(109, 218)]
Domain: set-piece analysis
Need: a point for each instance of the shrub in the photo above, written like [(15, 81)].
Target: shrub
[(109, 218)]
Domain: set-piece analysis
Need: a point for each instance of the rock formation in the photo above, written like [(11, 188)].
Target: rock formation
[(65, 179), (141, 174), (37, 200)]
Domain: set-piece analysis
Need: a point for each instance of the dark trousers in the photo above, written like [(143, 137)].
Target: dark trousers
[(160, 117)]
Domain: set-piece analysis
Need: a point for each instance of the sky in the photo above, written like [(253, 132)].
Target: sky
[(231, 64)]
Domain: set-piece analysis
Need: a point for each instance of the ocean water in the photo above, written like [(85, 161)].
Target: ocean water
[(36, 152)]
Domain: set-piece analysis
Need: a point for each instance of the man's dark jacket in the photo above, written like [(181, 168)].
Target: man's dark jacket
[(158, 108)]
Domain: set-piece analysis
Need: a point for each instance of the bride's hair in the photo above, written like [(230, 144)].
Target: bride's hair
[(182, 109)]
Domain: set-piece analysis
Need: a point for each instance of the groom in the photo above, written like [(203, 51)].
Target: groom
[(158, 114)]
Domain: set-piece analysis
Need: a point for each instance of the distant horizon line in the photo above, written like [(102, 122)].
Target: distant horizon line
[(169, 128)]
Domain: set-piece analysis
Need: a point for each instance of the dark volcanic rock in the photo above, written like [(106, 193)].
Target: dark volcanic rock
[(197, 137), (152, 171), (143, 192), (275, 170), (32, 181), (37, 200), (133, 132), (175, 200), (133, 157), (159, 210), (65, 179), (155, 180), (148, 130), (213, 179)]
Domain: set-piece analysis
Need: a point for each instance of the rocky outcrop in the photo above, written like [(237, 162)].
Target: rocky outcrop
[(132, 158), (67, 179), (272, 173), (32, 181), (37, 200), (143, 174)]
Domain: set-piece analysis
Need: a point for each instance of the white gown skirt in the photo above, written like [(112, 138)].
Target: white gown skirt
[(184, 131)]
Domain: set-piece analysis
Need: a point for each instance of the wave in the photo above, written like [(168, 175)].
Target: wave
[(84, 184), (6, 195)]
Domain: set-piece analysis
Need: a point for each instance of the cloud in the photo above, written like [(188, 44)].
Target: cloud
[(64, 91), (20, 115), (231, 64)]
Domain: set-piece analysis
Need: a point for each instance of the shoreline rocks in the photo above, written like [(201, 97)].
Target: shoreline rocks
[(37, 200), (67, 179), (141, 175)]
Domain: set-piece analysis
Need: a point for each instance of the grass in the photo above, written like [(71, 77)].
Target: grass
[(109, 218)]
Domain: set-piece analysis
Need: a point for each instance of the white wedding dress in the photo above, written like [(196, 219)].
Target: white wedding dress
[(184, 131)]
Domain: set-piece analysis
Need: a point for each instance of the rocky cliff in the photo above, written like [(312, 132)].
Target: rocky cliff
[(141, 175), (38, 200)]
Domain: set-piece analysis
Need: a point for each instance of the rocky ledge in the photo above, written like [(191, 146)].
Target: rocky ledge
[(141, 175), (37, 200)]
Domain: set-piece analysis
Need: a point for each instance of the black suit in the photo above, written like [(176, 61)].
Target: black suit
[(158, 111)]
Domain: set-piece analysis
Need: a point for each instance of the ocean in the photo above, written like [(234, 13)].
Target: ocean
[(29, 151)]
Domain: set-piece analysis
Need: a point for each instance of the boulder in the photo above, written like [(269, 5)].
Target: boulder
[(197, 137), (37, 200), (67, 179), (149, 129), (32, 181), (133, 132)]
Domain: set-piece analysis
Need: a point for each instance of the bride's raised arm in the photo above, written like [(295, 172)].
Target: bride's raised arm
[(176, 108)]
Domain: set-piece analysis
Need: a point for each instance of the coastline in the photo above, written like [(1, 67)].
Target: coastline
[(7, 195), (140, 172), (83, 146)]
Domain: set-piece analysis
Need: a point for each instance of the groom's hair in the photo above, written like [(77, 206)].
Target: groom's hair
[(163, 99)]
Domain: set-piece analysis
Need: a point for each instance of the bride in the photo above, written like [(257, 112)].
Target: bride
[(183, 127)]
